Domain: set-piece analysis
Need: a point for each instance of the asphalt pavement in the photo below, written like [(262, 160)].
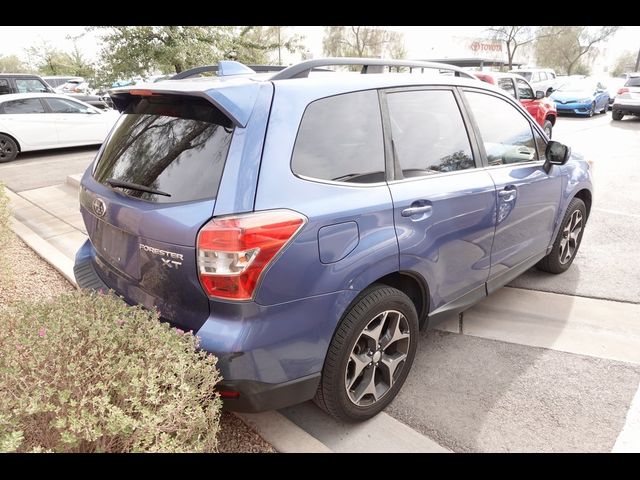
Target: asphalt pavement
[(607, 265)]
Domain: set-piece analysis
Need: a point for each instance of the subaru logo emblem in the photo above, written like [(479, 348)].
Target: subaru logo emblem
[(99, 207)]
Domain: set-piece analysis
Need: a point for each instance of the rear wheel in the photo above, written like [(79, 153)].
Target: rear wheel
[(617, 115), (370, 355), (548, 127), (568, 239), (8, 148)]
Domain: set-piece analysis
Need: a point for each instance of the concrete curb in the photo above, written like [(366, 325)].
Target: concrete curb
[(45, 250), (282, 433)]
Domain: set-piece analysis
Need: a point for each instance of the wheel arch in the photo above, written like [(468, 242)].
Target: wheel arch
[(586, 196), (12, 138)]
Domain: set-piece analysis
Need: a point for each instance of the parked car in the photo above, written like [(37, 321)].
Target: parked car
[(627, 100), (539, 78), (304, 227), (22, 83), (613, 85), (79, 89), (583, 97), (37, 121), (56, 81), (541, 109)]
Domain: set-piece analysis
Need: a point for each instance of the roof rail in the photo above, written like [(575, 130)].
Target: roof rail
[(302, 69)]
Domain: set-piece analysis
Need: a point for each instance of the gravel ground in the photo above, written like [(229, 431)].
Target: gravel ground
[(29, 274)]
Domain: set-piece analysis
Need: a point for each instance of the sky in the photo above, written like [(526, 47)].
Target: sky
[(420, 42)]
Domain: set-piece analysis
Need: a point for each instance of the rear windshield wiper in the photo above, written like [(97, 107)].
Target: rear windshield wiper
[(135, 186)]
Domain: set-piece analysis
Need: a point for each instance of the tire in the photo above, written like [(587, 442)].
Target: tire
[(343, 387), (617, 114), (552, 263), (548, 128), (593, 109), (8, 148)]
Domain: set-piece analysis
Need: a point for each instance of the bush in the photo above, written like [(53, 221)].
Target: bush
[(87, 373)]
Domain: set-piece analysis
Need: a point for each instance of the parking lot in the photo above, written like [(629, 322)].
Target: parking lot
[(472, 393)]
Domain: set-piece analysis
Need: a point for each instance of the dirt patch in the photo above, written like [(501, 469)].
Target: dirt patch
[(28, 275)]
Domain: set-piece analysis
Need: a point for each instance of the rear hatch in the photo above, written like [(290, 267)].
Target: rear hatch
[(631, 90), (153, 185)]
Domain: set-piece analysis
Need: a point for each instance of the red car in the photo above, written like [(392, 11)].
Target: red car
[(539, 107)]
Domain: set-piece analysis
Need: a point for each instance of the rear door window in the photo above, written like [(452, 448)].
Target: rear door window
[(25, 105), (429, 135), (173, 145), (340, 139)]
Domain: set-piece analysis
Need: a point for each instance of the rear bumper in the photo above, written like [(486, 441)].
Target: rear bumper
[(271, 355), (627, 109)]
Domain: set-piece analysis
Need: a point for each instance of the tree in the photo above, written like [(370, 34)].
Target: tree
[(513, 37), (570, 49), (624, 63), (48, 60), (12, 64), (141, 50), (356, 41)]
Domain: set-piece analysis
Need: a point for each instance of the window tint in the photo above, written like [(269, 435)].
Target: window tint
[(506, 84), (524, 90), (60, 105), (4, 86), (26, 105), (26, 85), (505, 132), (633, 82), (428, 133), (340, 139), (178, 146)]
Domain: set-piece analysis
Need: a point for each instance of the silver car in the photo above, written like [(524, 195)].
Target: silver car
[(539, 78), (627, 101)]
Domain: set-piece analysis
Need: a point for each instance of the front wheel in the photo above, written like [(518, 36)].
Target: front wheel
[(567, 242), (548, 128), (370, 355), (593, 109)]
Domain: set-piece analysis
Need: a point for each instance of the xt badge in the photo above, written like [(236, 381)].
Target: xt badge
[(169, 259)]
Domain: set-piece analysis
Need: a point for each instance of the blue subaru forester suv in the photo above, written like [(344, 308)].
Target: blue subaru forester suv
[(305, 226)]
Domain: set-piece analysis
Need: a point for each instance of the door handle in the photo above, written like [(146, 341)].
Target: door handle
[(409, 212), (508, 194)]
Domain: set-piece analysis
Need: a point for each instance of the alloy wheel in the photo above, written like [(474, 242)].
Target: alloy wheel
[(377, 358), (570, 237)]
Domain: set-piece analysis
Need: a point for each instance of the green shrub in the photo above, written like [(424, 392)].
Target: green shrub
[(87, 373)]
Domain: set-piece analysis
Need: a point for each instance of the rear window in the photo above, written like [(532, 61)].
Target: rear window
[(633, 82), (176, 146)]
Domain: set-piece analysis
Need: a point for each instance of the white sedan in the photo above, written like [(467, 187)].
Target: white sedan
[(37, 121)]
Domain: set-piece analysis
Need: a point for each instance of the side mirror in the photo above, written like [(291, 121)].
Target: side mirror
[(539, 94), (556, 153)]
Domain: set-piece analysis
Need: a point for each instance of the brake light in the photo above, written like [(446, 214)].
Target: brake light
[(623, 90), (142, 93), (234, 251)]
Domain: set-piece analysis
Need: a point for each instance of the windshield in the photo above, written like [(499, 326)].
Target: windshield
[(175, 146)]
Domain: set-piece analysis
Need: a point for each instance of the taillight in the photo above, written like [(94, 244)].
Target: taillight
[(234, 251), (623, 90)]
